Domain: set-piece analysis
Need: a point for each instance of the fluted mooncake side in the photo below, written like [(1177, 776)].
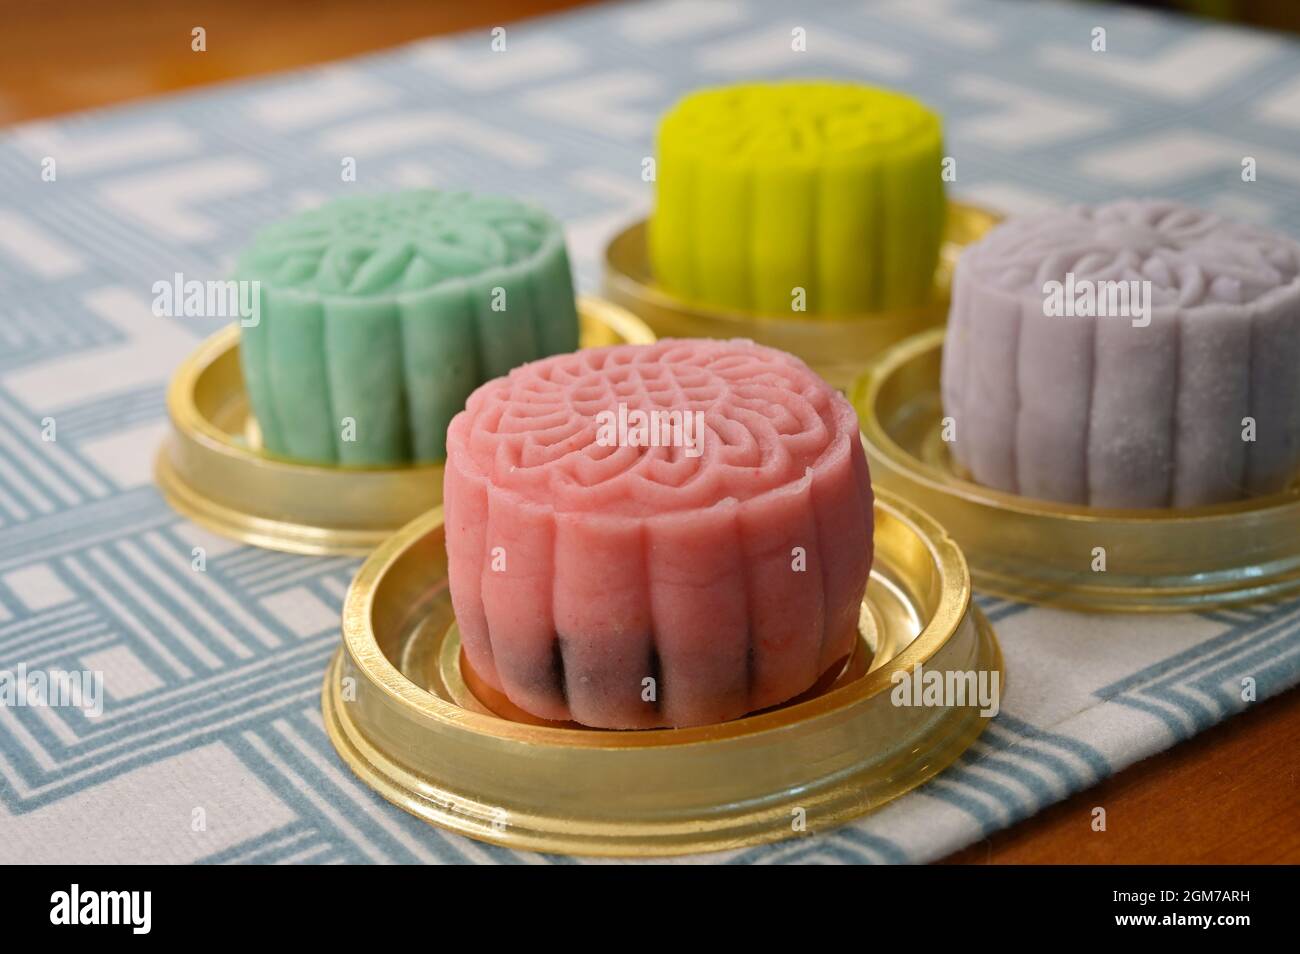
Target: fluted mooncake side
[(717, 571), (832, 188), (380, 314), (1196, 401)]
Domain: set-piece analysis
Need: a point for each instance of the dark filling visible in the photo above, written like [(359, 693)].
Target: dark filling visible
[(656, 673), (556, 674)]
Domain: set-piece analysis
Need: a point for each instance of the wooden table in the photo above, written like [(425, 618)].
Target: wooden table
[(1230, 795), (62, 55)]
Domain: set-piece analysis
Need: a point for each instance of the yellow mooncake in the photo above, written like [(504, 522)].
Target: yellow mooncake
[(817, 197)]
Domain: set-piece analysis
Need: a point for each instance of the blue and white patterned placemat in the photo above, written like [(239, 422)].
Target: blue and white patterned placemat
[(210, 747)]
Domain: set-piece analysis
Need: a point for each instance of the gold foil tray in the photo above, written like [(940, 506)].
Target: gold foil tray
[(1038, 551), (838, 347), (212, 470), (410, 719)]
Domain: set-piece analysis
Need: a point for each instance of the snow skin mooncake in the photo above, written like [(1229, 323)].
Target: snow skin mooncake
[(1136, 354), (657, 535), (834, 189), (380, 314)]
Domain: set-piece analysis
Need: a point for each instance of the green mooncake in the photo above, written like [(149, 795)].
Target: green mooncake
[(380, 314), (806, 196)]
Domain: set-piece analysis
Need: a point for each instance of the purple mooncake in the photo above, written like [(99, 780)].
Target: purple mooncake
[(1136, 354)]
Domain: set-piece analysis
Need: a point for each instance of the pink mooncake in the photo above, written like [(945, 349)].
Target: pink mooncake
[(657, 535)]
